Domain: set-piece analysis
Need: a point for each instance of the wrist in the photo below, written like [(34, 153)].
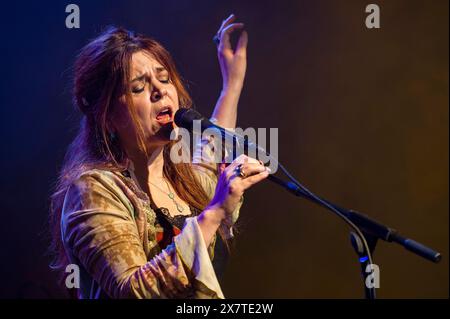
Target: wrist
[(232, 87), (213, 215)]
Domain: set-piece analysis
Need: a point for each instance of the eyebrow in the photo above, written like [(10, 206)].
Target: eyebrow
[(141, 77)]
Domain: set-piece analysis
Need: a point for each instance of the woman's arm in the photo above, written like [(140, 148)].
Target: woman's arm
[(233, 65)]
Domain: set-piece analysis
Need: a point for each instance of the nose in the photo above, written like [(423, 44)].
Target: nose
[(158, 92)]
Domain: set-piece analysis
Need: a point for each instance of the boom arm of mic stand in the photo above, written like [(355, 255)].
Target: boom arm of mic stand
[(367, 224)]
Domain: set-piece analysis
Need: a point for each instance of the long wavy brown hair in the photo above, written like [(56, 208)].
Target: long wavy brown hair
[(101, 75)]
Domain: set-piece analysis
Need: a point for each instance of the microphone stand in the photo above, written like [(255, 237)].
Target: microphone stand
[(371, 229), (367, 230)]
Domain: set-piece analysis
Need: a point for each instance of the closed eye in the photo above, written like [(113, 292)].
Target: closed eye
[(141, 81), (138, 89)]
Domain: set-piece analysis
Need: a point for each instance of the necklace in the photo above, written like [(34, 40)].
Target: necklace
[(171, 195)]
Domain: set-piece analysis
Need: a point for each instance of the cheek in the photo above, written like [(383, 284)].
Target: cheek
[(142, 108), (173, 95)]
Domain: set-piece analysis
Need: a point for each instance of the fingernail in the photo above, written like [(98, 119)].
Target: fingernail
[(268, 169)]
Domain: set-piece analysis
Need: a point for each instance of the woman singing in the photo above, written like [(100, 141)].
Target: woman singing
[(137, 224)]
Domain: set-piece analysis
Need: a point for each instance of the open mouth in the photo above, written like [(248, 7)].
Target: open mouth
[(165, 115)]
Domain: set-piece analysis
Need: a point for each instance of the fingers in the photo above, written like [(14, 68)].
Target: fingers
[(225, 35), (253, 171), (232, 27), (226, 22), (247, 170), (238, 160), (250, 169), (242, 159), (224, 32), (241, 47), (252, 180)]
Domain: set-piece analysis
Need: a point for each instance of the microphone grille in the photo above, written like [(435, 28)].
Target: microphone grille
[(184, 117)]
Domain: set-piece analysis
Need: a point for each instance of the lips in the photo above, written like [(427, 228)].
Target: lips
[(165, 115)]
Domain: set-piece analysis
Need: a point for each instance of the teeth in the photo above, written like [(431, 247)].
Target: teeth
[(164, 114)]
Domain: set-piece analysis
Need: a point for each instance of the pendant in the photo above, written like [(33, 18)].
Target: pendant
[(171, 196), (180, 208)]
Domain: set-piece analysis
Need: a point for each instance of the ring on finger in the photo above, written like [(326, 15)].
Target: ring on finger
[(216, 38), (240, 171)]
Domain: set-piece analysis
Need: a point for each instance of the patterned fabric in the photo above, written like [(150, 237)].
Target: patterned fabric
[(111, 232)]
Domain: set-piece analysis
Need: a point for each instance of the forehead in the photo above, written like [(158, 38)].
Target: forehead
[(144, 62)]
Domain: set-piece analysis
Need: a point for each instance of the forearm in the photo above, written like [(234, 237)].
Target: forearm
[(209, 221), (233, 65), (225, 111)]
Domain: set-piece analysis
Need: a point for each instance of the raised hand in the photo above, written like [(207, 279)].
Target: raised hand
[(233, 63)]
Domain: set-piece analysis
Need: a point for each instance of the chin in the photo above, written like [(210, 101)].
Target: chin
[(164, 132)]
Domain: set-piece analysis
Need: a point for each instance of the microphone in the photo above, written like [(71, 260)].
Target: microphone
[(185, 118)]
